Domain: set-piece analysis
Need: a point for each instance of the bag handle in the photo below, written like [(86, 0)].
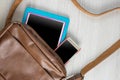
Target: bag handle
[(89, 13), (12, 10)]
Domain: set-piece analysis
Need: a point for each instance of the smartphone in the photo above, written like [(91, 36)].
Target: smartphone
[(67, 49)]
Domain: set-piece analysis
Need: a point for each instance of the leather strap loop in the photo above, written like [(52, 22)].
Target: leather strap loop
[(89, 13)]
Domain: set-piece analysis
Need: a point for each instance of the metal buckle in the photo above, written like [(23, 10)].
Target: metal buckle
[(74, 77), (82, 76)]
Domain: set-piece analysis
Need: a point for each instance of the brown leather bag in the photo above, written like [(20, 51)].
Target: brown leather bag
[(25, 56)]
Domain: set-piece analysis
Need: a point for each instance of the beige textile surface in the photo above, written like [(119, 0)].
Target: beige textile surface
[(92, 34)]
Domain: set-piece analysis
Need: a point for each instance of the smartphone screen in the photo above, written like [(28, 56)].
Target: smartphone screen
[(49, 29), (67, 49)]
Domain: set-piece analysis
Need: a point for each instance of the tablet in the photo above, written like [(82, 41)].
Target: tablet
[(51, 27)]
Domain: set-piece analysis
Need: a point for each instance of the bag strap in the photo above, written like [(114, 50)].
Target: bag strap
[(89, 13), (98, 60), (17, 2), (101, 58), (12, 10)]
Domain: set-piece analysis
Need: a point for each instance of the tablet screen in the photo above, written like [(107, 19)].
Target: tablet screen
[(49, 29)]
